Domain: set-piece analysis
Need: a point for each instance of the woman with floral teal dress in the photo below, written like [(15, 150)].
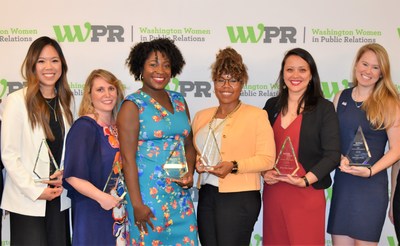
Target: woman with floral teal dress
[(152, 122)]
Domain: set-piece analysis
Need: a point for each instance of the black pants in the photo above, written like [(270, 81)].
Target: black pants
[(53, 229), (226, 218)]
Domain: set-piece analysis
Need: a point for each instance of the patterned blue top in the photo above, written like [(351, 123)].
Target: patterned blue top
[(171, 205)]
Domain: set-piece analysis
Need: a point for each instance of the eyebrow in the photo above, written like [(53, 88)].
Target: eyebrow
[(44, 57)]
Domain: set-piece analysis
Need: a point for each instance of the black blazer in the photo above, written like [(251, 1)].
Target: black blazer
[(319, 145)]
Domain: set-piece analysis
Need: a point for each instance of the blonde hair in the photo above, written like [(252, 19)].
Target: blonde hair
[(228, 61), (38, 111), (384, 98), (86, 106)]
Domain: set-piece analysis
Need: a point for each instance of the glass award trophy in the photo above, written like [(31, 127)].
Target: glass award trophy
[(115, 184), (210, 155), (287, 163), (45, 164), (176, 166), (359, 153)]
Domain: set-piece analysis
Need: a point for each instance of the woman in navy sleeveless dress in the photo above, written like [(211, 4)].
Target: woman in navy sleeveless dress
[(91, 151), (360, 193)]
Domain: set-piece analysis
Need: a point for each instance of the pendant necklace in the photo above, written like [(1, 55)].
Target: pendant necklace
[(356, 95), (53, 108), (227, 116), (358, 104)]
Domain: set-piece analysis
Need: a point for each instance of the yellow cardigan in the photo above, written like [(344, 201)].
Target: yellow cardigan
[(246, 138)]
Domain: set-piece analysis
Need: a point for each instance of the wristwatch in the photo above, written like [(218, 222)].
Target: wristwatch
[(235, 167)]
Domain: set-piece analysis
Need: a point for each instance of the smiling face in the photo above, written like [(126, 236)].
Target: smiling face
[(367, 70), (296, 74), (48, 69), (156, 71), (103, 96), (227, 89)]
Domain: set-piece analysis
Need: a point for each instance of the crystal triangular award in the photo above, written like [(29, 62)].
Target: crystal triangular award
[(115, 184), (176, 166), (286, 163), (210, 155), (45, 164), (359, 153)]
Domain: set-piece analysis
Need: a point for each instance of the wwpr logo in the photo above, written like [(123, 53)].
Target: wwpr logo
[(250, 34), (77, 33)]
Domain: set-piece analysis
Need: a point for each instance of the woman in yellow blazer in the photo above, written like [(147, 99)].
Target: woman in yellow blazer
[(241, 141)]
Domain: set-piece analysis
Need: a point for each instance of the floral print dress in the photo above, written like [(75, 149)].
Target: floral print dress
[(175, 222)]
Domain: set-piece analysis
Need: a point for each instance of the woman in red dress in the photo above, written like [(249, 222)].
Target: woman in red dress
[(294, 202)]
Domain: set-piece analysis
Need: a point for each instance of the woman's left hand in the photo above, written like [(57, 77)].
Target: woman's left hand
[(222, 169), (55, 179), (186, 181)]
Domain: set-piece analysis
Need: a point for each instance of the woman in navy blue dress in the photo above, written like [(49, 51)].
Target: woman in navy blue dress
[(360, 193), (91, 149)]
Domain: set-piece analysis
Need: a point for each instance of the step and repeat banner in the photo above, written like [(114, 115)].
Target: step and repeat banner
[(99, 34)]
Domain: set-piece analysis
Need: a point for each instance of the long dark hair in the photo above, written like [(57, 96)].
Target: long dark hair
[(313, 92), (38, 112)]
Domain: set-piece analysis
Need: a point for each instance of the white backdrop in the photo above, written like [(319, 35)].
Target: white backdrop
[(99, 34)]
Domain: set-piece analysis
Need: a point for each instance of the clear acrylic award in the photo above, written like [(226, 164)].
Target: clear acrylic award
[(176, 166), (115, 184), (359, 153), (45, 164), (287, 163), (210, 155)]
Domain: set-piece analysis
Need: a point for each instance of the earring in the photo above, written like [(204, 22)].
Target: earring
[(284, 87), (141, 77)]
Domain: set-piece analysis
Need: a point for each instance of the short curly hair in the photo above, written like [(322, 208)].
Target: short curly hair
[(141, 51), (229, 61)]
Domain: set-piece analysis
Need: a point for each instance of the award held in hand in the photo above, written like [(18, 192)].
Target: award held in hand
[(286, 163), (115, 184), (176, 166), (210, 155), (359, 153), (45, 164)]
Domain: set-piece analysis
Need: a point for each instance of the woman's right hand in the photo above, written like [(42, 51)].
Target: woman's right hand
[(200, 167), (108, 201), (49, 193), (270, 177), (353, 170), (143, 216)]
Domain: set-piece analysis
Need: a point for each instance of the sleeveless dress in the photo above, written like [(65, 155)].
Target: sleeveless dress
[(292, 215), (358, 206), (90, 153), (172, 206)]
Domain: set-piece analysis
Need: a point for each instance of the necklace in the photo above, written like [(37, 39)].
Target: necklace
[(227, 116), (358, 104), (55, 107), (357, 96)]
